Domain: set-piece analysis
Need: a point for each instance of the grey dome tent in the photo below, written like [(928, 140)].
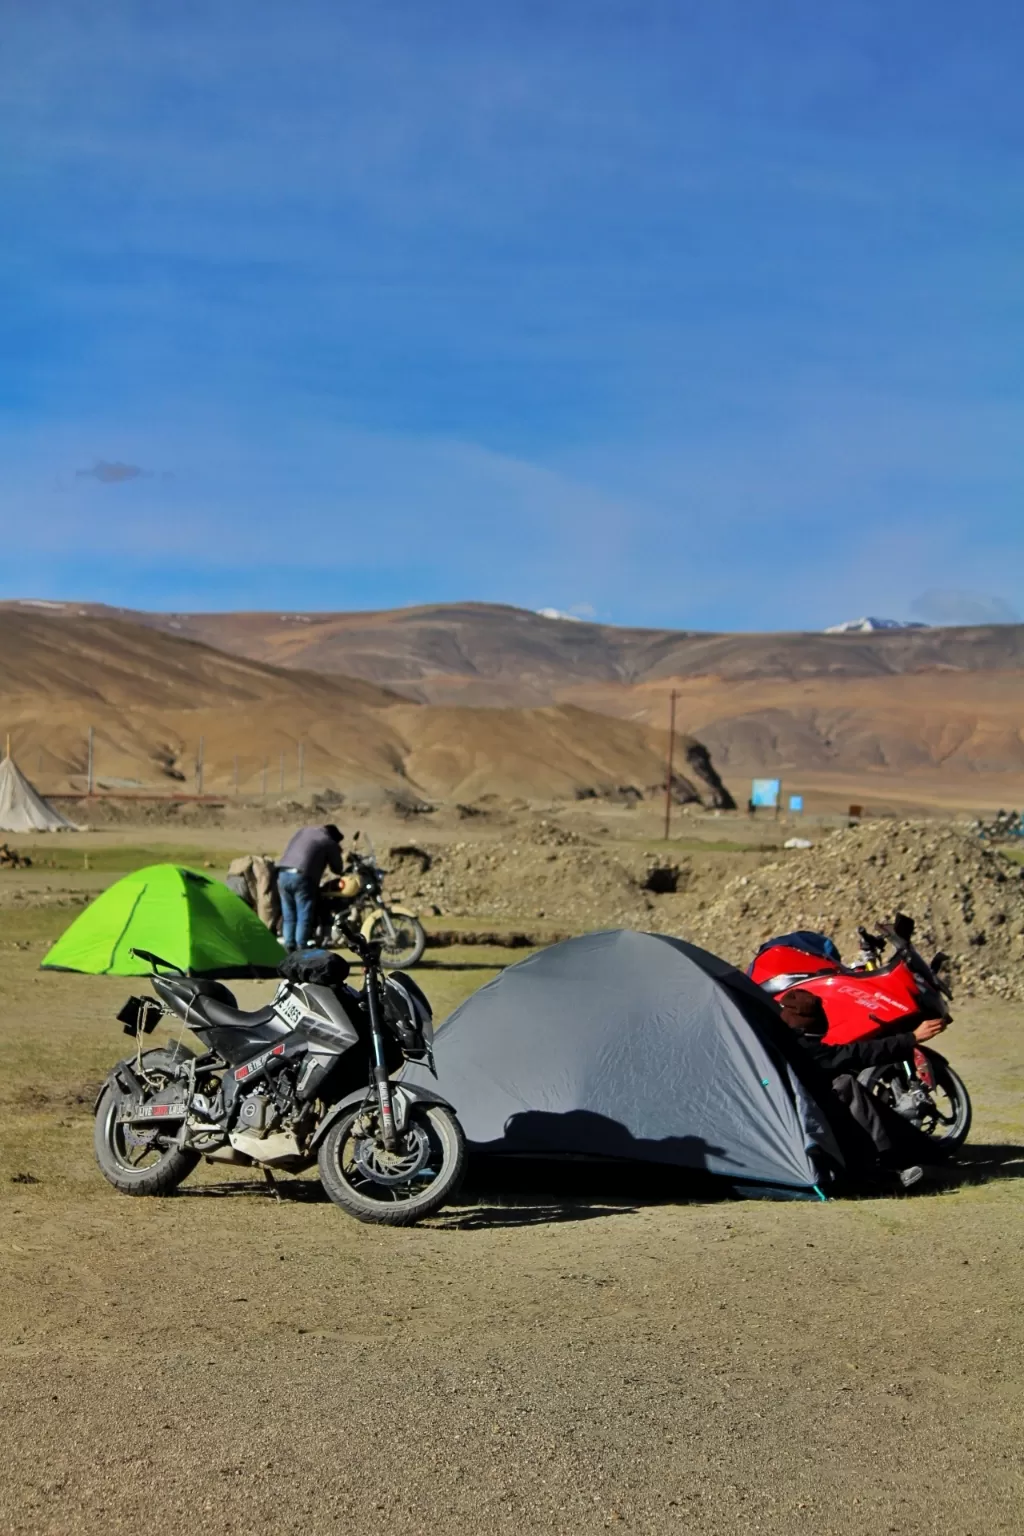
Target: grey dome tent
[(634, 1046), (22, 808)]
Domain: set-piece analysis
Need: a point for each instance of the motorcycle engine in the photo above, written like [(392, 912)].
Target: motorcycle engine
[(257, 1113)]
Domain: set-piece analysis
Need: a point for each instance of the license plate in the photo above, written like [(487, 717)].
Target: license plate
[(290, 1010), (137, 1111)]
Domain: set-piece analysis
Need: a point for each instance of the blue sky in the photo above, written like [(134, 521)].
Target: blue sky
[(702, 314)]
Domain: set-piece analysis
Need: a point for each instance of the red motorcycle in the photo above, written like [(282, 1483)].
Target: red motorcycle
[(875, 997)]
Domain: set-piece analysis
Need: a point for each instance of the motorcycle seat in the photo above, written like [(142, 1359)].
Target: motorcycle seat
[(221, 1016), (211, 1002), (184, 991)]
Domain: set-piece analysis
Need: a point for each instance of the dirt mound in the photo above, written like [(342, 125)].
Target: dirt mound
[(111, 812), (968, 900), (540, 872)]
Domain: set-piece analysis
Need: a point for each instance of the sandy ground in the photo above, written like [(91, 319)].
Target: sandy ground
[(603, 1355)]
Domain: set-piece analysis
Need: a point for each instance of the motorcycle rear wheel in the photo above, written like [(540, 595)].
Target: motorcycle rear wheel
[(406, 948), (947, 1120), (398, 1204), (132, 1165)]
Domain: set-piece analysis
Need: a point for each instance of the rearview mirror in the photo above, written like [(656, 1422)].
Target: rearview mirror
[(903, 927)]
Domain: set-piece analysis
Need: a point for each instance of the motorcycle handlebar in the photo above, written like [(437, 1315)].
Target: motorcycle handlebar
[(367, 949), (353, 936)]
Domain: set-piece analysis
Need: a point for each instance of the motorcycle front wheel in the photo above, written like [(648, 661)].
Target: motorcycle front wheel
[(401, 948), (140, 1163), (395, 1188), (943, 1114)]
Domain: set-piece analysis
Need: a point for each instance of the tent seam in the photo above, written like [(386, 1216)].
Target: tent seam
[(124, 930)]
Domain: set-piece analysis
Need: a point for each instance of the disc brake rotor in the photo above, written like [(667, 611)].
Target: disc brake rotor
[(134, 1138), (376, 1163)]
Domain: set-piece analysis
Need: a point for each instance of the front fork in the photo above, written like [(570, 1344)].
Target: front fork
[(389, 927), (389, 1135)]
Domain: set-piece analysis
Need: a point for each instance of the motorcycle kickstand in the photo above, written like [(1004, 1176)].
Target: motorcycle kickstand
[(271, 1184)]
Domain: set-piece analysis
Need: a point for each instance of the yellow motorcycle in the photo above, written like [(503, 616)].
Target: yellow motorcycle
[(356, 899)]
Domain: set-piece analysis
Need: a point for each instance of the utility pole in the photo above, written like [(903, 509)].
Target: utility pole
[(90, 771), (671, 755), (302, 764), (199, 766)]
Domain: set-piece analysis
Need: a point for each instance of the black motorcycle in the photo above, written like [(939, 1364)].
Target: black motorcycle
[(307, 1079)]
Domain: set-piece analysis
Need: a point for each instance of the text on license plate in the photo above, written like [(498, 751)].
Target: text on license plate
[(290, 1010), (137, 1111)]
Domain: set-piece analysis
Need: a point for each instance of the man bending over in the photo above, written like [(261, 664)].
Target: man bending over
[(299, 872)]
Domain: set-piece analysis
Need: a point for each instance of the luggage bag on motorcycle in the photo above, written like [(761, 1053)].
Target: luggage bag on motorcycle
[(803, 953)]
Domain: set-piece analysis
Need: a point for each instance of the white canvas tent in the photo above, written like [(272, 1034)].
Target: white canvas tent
[(22, 809)]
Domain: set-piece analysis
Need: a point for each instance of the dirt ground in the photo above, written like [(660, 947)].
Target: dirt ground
[(601, 1354)]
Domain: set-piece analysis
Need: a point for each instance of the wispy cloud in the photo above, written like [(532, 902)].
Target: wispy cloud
[(112, 472), (958, 607)]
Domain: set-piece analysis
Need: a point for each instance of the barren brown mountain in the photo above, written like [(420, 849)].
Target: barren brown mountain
[(930, 716), (514, 656), (153, 697)]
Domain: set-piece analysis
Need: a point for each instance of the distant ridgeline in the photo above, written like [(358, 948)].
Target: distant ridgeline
[(460, 701)]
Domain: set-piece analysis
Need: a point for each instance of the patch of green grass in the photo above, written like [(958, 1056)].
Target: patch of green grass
[(58, 853), (32, 925), (1015, 855), (698, 845)]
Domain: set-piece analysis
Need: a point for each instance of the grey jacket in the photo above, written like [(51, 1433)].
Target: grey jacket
[(311, 851)]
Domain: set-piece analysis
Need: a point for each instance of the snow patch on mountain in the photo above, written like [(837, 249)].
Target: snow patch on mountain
[(868, 624)]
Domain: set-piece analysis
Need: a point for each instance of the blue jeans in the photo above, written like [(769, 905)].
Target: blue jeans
[(298, 906)]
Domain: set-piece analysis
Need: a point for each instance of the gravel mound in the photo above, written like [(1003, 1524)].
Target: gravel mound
[(967, 899), (543, 871)]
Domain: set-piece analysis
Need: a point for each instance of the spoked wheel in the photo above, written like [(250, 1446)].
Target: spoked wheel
[(140, 1161), (403, 946), (942, 1112), (399, 1187)]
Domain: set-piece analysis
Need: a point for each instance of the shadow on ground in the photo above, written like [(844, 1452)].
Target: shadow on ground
[(532, 1192), (979, 1162), (460, 965), (517, 1192), (529, 1192)]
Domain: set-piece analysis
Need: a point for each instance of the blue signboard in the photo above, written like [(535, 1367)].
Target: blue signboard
[(796, 802), (765, 792)]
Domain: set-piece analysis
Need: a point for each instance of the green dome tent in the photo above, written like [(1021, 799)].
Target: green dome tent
[(186, 918)]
